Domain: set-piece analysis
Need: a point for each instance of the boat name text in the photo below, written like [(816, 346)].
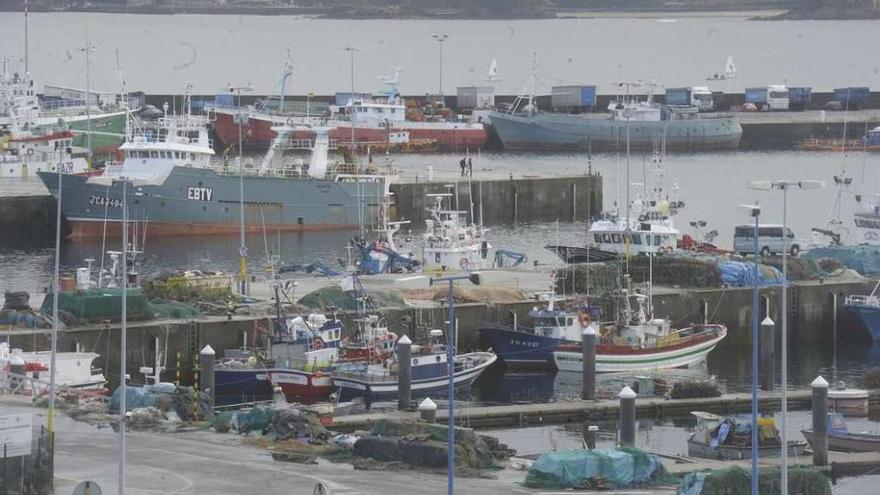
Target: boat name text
[(200, 193)]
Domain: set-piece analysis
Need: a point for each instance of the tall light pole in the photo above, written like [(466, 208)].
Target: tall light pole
[(440, 38), (784, 186), (755, 212), (123, 331), (450, 369), (52, 357), (242, 248)]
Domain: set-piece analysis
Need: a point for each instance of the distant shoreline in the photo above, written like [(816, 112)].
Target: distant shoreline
[(751, 13), (331, 13)]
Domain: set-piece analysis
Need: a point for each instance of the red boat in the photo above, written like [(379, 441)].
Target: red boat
[(375, 122)]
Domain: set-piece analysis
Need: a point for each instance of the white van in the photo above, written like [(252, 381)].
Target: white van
[(769, 240)]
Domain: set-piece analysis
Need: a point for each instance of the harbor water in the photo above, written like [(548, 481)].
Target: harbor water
[(710, 184), (162, 54)]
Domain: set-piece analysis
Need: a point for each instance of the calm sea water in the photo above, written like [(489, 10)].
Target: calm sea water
[(162, 54)]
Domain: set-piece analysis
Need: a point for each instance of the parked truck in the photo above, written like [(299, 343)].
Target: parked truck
[(694, 96), (770, 98), (573, 98), (854, 98)]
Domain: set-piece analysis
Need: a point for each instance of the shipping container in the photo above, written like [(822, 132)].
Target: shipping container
[(857, 97), (476, 97), (573, 96), (343, 98), (756, 95), (225, 100), (800, 97)]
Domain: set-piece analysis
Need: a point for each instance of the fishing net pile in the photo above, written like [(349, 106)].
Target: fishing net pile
[(334, 297), (597, 469), (424, 445), (864, 259), (738, 480)]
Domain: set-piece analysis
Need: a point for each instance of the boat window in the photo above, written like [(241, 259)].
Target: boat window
[(597, 238), (606, 238), (656, 240), (143, 154), (615, 238), (636, 238), (569, 321), (192, 156), (154, 154)]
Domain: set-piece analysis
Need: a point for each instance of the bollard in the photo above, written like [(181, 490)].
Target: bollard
[(428, 411), (206, 371), (627, 427), (17, 368), (768, 329), (279, 400), (404, 373), (588, 345), (820, 421), (590, 433)]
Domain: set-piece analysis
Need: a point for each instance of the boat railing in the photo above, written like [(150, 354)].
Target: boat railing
[(304, 144), (861, 300)]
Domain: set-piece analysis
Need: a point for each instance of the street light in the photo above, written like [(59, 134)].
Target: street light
[(450, 367), (242, 248), (784, 186), (755, 212), (440, 39)]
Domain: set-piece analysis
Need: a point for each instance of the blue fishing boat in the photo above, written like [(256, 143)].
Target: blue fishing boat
[(375, 381), (534, 345), (864, 311)]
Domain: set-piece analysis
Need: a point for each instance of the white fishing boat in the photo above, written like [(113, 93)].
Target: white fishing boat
[(23, 154), (74, 369), (450, 242), (638, 341), (729, 72)]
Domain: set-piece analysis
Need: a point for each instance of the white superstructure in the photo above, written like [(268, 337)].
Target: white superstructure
[(450, 243)]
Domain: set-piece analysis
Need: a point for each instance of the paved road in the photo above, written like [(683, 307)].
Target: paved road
[(211, 463)]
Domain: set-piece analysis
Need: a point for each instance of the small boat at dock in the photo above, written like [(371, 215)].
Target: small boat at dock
[(864, 311), (840, 439), (429, 372), (724, 438), (639, 342)]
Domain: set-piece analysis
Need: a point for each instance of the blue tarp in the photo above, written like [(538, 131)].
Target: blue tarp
[(135, 397), (741, 274), (692, 484), (567, 469)]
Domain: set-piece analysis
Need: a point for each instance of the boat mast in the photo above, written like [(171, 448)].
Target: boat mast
[(122, 342), (26, 54), (87, 49), (52, 359)]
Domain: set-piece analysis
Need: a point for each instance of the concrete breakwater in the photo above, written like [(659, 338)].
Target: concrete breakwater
[(810, 319), (505, 201)]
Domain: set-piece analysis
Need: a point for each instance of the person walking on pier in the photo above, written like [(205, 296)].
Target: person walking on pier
[(470, 166), (463, 165)]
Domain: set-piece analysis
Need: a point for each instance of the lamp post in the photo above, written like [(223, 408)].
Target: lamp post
[(755, 212), (450, 366), (242, 248), (441, 37), (784, 186)]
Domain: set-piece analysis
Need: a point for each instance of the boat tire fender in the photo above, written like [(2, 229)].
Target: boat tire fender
[(318, 343), (463, 263)]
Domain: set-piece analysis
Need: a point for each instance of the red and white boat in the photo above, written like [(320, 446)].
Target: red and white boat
[(381, 120)]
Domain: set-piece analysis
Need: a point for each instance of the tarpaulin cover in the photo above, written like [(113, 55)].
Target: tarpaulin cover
[(135, 397), (620, 467), (741, 274)]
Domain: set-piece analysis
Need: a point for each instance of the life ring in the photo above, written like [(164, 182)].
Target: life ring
[(463, 263), (318, 343), (584, 318)]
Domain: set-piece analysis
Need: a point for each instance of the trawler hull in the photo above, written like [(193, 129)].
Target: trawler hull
[(552, 131), (193, 201)]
